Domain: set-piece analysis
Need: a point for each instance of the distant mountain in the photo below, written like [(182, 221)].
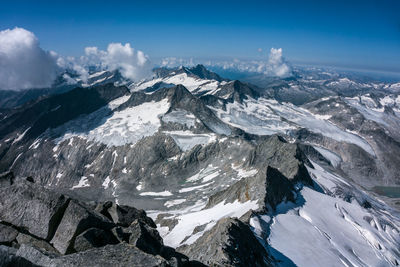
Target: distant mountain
[(199, 71)]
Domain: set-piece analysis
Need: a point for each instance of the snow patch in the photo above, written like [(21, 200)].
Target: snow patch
[(157, 194), (127, 126), (188, 221), (186, 140), (174, 202), (84, 182)]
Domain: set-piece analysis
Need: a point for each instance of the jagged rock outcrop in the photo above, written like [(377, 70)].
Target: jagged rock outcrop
[(269, 188), (281, 165), (286, 157), (32, 207), (111, 255), (180, 98), (229, 243), (93, 238), (76, 219), (236, 91), (84, 234), (123, 215)]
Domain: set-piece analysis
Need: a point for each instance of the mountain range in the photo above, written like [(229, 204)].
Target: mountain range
[(189, 169)]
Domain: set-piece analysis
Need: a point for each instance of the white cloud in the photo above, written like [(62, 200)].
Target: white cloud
[(71, 64), (23, 64), (277, 65), (133, 64)]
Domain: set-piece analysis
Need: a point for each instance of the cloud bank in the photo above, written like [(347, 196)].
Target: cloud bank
[(133, 64), (23, 64), (275, 65)]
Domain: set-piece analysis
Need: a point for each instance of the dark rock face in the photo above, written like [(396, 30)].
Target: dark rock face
[(145, 237), (123, 215), (8, 258), (77, 218), (270, 188), (31, 207), (286, 157), (236, 91), (58, 109), (7, 234), (92, 238), (281, 165), (229, 243), (203, 73), (6, 179), (278, 188)]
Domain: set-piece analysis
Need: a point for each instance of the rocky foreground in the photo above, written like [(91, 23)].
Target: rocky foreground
[(41, 227)]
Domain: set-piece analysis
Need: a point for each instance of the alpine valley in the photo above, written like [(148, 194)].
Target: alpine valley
[(191, 169)]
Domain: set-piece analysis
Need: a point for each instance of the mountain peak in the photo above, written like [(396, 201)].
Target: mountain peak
[(203, 73)]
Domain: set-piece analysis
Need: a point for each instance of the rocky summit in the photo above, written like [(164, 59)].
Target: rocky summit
[(191, 169)]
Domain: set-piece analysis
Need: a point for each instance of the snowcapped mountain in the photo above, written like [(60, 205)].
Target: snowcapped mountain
[(231, 173)]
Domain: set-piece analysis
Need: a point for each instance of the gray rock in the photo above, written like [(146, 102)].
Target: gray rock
[(148, 240), (6, 179), (7, 234), (9, 258), (111, 255), (269, 188), (35, 256), (77, 218), (32, 207), (124, 215), (34, 242), (140, 235), (93, 238), (229, 243), (286, 157), (145, 237)]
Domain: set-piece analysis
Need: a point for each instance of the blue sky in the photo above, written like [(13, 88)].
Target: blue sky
[(362, 34)]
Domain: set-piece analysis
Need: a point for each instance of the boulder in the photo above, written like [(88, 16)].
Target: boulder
[(93, 238), (32, 207), (124, 215), (6, 179), (229, 243), (8, 258), (111, 255), (140, 235), (145, 237), (7, 234), (35, 256), (77, 218), (34, 242)]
